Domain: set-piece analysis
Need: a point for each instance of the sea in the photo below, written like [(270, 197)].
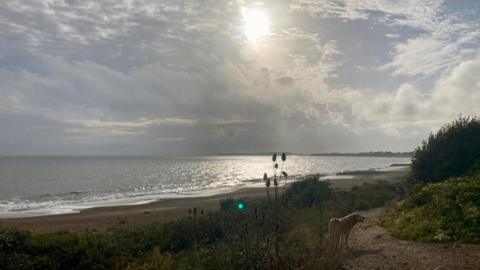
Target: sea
[(36, 186)]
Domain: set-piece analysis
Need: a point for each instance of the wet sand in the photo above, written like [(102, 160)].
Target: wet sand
[(115, 217)]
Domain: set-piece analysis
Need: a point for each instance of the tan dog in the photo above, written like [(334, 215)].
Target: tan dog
[(339, 229)]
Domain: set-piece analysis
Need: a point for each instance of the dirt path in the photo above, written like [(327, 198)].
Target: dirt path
[(372, 247)]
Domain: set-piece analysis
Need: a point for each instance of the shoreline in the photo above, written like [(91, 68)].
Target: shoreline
[(57, 206), (107, 218)]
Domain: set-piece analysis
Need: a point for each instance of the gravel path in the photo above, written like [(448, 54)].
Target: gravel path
[(372, 247)]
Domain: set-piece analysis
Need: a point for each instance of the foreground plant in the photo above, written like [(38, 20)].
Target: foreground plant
[(276, 180)]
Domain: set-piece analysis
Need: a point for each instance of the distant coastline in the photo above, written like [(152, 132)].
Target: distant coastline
[(333, 154), (367, 154), (259, 154)]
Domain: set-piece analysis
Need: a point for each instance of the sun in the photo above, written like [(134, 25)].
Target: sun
[(256, 24)]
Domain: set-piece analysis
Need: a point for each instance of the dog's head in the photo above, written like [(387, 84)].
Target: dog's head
[(358, 217), (334, 221)]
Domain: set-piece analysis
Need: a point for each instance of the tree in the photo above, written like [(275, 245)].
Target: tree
[(452, 151)]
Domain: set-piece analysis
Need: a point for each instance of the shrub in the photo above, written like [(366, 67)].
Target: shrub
[(228, 204), (13, 240), (156, 260), (308, 193), (446, 211), (368, 195), (61, 250), (452, 151)]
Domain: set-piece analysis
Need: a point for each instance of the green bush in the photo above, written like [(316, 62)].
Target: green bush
[(57, 251), (446, 211), (368, 196), (450, 152), (307, 193)]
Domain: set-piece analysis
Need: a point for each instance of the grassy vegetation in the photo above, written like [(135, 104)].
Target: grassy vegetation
[(227, 239), (444, 204), (446, 211)]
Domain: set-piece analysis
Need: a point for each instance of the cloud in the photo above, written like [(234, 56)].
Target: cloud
[(435, 52), (150, 77), (441, 40), (141, 125), (459, 92), (187, 79), (407, 112), (412, 13), (390, 35)]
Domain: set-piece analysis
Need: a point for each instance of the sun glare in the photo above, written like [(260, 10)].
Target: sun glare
[(256, 24)]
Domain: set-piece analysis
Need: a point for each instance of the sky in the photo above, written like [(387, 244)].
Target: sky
[(188, 77)]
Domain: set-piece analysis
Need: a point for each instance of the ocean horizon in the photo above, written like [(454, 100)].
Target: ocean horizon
[(49, 185)]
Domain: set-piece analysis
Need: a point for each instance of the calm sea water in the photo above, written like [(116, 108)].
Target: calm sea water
[(53, 185)]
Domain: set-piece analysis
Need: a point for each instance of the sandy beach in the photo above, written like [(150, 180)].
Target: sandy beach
[(117, 217)]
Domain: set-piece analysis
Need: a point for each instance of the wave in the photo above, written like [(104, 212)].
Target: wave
[(73, 202)]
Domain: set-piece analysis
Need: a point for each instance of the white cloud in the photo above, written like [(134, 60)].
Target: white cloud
[(423, 56), (390, 35), (139, 76), (436, 51), (407, 112), (412, 13), (442, 41), (459, 92)]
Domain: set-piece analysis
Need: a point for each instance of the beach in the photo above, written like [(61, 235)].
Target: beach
[(104, 219)]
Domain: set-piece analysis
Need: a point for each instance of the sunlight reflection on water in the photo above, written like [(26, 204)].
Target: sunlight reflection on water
[(35, 186)]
